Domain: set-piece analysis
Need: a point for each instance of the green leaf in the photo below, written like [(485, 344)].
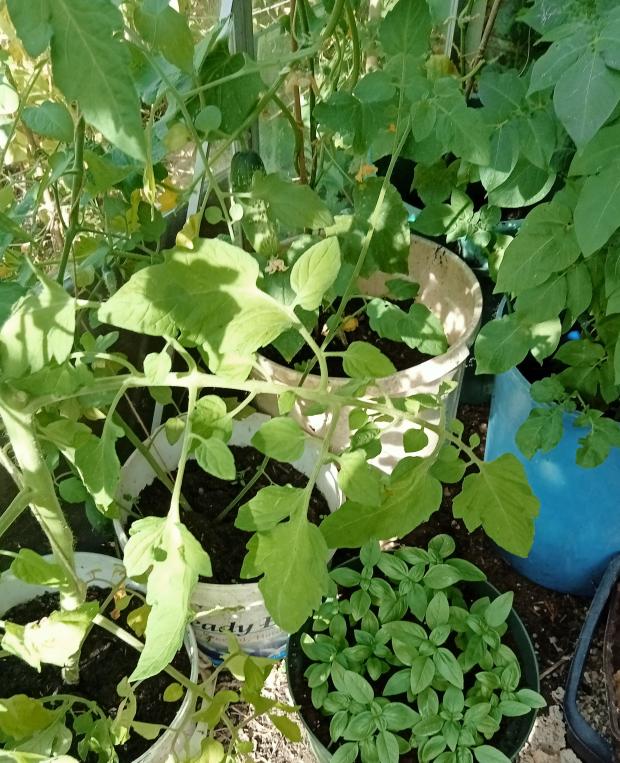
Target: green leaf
[(99, 466), (460, 127), (502, 344), (175, 560), (585, 96), (553, 64), (293, 557), (598, 154), (398, 716), (32, 24), (422, 329), (208, 119), (359, 480), (441, 576), (216, 458), (411, 496), (314, 272), (235, 316), (72, 490), (498, 610), (210, 418), (236, 98), (545, 244), (173, 692), (32, 568), (22, 717), (157, 365), (531, 698), (542, 430), (487, 754), (391, 241), (597, 214), (580, 352), (269, 506), (422, 674), (50, 119), (354, 686), (10, 292), (541, 303), (363, 360), (406, 29), (91, 65), (287, 727), (346, 753), (414, 440), (38, 331), (53, 640), (438, 610), (448, 667), (387, 747), (500, 499), (402, 288), (280, 438), (167, 31), (604, 435), (512, 709), (295, 206), (579, 290)]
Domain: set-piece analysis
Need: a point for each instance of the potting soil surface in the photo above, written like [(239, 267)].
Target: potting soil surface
[(105, 661), (208, 496)]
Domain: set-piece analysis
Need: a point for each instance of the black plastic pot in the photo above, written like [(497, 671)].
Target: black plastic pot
[(510, 740), (589, 745)]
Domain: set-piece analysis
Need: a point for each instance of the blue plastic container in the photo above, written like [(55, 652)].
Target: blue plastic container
[(578, 529)]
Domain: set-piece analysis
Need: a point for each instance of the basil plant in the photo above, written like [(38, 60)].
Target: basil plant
[(400, 658)]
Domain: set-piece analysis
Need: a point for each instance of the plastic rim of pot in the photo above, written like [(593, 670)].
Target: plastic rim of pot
[(509, 740), (577, 531), (104, 572), (448, 287), (234, 608)]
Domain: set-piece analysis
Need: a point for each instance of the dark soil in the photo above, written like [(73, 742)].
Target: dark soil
[(208, 496), (104, 662), (401, 355)]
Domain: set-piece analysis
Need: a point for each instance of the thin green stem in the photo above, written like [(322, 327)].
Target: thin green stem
[(22, 104), (14, 510), (318, 351), (148, 456), (244, 491), (76, 191), (174, 515), (355, 41)]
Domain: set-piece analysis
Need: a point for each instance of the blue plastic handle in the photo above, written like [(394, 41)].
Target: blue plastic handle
[(584, 740)]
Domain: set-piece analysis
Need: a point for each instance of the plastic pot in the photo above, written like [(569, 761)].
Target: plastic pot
[(588, 743), (104, 572), (578, 529), (235, 608), (510, 739), (449, 288)]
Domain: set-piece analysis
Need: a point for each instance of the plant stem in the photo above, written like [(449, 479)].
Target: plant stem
[(239, 497), (301, 153), (76, 190), (318, 351), (148, 456), (174, 514), (20, 428), (355, 41), (483, 43), (14, 510), (23, 101)]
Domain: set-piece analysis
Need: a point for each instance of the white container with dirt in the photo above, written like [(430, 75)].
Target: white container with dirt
[(237, 609), (97, 570), (449, 288)]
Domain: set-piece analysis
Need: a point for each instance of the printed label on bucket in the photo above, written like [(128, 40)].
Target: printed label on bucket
[(238, 610)]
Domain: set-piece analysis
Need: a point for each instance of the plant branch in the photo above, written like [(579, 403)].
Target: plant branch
[(76, 191), (174, 513), (483, 43), (14, 510), (245, 490)]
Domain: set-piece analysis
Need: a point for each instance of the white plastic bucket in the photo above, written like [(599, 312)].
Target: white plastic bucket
[(449, 288), (106, 572), (235, 608)]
